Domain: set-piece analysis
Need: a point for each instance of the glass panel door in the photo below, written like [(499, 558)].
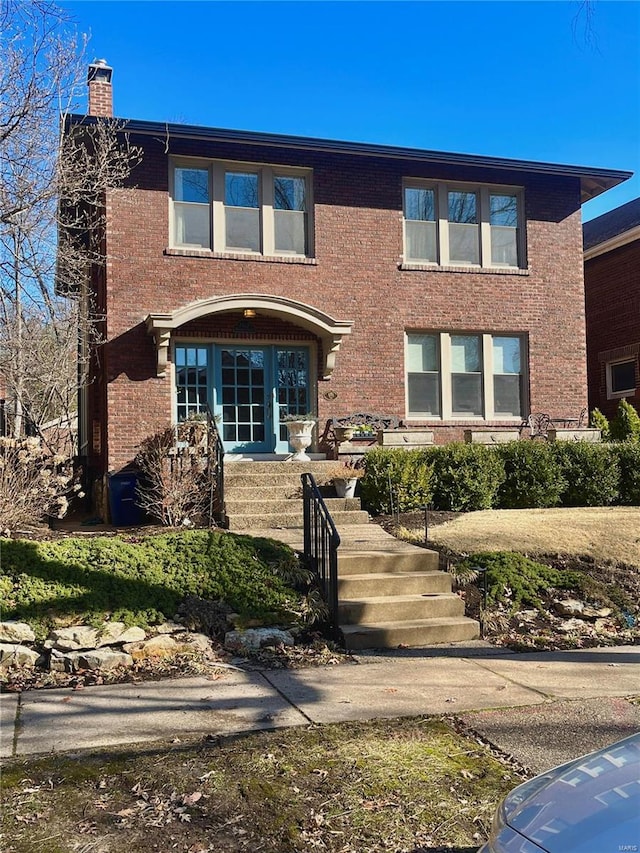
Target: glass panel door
[(254, 387), (292, 387), (244, 400)]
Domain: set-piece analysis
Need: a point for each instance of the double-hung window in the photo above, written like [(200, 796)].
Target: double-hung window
[(245, 208), (621, 378), (460, 225), (457, 376)]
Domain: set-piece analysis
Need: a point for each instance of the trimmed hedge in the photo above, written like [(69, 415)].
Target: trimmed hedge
[(467, 477), (629, 461), (591, 473), (533, 476), (410, 473), (508, 476)]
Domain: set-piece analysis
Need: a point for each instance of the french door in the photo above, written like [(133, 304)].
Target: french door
[(248, 387)]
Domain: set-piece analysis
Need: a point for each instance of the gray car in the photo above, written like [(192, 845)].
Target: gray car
[(590, 805)]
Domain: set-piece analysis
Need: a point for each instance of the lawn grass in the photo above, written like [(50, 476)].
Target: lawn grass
[(609, 534), (394, 785)]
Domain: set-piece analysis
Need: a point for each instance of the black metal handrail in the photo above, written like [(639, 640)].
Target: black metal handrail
[(321, 541), (215, 454)]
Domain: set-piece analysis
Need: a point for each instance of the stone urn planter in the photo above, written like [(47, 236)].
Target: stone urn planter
[(343, 434), (300, 437)]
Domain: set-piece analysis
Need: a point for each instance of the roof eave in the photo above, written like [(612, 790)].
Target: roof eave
[(593, 181)]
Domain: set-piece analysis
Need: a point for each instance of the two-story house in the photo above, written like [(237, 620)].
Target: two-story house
[(612, 291), (262, 274)]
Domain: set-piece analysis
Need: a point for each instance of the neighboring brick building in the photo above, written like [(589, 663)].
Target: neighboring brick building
[(612, 289), (262, 274)]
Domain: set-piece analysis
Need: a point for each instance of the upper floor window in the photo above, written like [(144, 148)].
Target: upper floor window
[(239, 207), (451, 375), (453, 225)]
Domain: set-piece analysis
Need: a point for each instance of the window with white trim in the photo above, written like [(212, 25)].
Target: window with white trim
[(460, 225), (457, 376), (621, 378), (241, 207)]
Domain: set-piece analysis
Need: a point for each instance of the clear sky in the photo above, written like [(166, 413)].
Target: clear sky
[(535, 81)]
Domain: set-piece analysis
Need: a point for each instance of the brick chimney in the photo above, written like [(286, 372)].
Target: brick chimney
[(100, 91)]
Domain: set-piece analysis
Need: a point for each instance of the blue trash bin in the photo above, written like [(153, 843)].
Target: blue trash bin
[(122, 499)]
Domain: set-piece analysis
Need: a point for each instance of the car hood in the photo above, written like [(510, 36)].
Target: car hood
[(591, 804)]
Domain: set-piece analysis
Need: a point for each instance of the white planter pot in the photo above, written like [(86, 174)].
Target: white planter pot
[(345, 488), (300, 437)]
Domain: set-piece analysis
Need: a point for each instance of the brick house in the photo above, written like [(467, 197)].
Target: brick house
[(612, 291), (263, 274)]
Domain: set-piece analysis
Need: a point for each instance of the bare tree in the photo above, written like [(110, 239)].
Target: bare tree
[(53, 181)]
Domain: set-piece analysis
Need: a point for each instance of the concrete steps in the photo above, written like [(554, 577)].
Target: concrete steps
[(397, 598), (422, 632), (274, 520), (390, 593), (358, 587), (269, 495)]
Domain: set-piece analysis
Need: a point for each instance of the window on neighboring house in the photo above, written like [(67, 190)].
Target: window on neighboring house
[(240, 207), (621, 378), (451, 376), (454, 225)]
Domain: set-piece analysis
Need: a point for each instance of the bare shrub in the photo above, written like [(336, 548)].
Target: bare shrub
[(33, 484), (176, 481)]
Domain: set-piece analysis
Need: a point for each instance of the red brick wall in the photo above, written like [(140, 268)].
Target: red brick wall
[(612, 288), (357, 276)]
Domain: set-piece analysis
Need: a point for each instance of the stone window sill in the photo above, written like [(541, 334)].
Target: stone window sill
[(411, 267), (239, 256)]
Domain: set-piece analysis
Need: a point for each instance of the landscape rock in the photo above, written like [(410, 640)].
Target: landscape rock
[(570, 625), (79, 637), (568, 607), (198, 642), (254, 639), (169, 627), (160, 646), (596, 612), (59, 662), (16, 632), (115, 633), (18, 655), (104, 659)]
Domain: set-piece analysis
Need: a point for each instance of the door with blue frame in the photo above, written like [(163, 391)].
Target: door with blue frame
[(248, 387)]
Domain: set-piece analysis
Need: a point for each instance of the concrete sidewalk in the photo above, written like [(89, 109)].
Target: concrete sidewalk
[(543, 691)]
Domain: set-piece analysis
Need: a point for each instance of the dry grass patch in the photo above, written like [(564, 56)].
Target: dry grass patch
[(603, 533)]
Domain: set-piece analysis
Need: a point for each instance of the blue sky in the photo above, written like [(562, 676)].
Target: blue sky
[(509, 79)]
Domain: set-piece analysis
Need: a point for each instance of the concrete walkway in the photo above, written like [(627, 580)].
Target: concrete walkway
[(541, 698)]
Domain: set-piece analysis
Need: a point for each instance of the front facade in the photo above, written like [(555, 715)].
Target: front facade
[(266, 275), (612, 291)]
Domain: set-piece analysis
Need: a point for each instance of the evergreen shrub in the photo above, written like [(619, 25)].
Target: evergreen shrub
[(519, 582), (628, 456), (626, 424), (532, 475), (411, 476), (599, 421), (143, 582), (467, 476), (591, 473)]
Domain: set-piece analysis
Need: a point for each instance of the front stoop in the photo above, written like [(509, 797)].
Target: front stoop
[(391, 599), (269, 495), (390, 593)]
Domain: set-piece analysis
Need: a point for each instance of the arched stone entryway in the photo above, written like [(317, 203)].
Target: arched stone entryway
[(249, 383)]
